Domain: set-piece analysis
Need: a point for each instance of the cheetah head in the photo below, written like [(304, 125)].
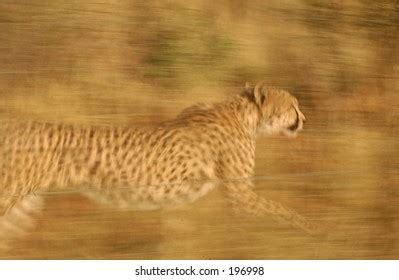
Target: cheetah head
[(279, 110)]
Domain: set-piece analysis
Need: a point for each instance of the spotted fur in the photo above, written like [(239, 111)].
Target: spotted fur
[(176, 162)]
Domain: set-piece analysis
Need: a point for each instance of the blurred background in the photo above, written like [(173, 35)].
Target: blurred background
[(135, 62)]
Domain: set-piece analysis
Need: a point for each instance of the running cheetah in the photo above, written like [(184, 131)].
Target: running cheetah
[(176, 162)]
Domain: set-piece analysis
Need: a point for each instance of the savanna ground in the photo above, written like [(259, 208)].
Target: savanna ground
[(140, 62)]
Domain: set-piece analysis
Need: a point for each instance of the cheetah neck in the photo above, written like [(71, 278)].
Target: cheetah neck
[(247, 115), (238, 114)]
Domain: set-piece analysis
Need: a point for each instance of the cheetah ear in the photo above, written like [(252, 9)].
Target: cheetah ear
[(260, 93)]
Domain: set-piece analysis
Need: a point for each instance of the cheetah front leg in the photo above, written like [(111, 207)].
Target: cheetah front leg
[(18, 217), (240, 190), (244, 199)]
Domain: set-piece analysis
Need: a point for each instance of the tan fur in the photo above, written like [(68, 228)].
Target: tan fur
[(177, 161)]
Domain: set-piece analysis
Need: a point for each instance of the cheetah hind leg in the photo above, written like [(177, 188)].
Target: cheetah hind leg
[(145, 198), (18, 219)]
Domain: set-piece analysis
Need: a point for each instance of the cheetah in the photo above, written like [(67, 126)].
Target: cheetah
[(176, 162)]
